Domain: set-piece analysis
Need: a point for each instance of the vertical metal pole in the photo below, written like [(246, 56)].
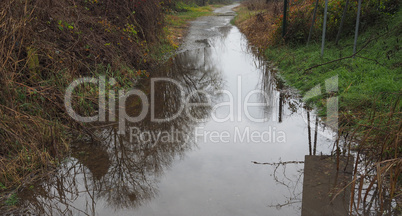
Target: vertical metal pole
[(285, 9), (357, 25), (324, 27), (312, 23)]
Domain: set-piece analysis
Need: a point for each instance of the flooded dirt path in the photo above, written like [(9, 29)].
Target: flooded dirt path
[(205, 160)]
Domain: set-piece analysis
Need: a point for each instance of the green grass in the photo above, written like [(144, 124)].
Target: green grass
[(12, 200), (372, 81), (187, 13)]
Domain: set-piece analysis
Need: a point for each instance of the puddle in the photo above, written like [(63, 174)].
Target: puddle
[(207, 159)]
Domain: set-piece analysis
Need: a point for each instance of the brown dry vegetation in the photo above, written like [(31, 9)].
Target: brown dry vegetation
[(44, 46), (47, 44), (258, 23), (378, 163)]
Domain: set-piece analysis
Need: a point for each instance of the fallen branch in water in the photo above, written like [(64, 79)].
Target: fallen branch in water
[(279, 163)]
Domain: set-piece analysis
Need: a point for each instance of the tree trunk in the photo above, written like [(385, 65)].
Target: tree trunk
[(312, 22), (357, 25), (324, 27), (285, 9), (338, 36)]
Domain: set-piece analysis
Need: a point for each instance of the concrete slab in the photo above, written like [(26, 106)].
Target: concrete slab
[(322, 181)]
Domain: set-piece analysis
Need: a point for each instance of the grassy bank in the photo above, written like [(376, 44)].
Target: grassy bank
[(370, 82), (371, 79), (369, 91)]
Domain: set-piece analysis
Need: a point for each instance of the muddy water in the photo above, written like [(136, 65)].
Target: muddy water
[(206, 159)]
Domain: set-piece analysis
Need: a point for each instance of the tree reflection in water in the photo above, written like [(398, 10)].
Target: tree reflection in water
[(121, 174)]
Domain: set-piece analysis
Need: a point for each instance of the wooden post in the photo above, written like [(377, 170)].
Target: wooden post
[(312, 22), (338, 36), (357, 25), (324, 27), (285, 8)]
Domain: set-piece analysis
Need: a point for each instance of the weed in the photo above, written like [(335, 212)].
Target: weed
[(12, 200)]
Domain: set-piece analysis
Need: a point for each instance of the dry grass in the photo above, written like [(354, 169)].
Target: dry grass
[(257, 20), (378, 166), (44, 46)]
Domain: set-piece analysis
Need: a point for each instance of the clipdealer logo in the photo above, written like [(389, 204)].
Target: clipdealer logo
[(148, 105)]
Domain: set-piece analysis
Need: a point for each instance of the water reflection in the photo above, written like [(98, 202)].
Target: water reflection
[(311, 188), (123, 171), (142, 173), (312, 151)]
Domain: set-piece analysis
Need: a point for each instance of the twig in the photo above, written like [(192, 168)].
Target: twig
[(279, 163), (351, 56), (370, 59)]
